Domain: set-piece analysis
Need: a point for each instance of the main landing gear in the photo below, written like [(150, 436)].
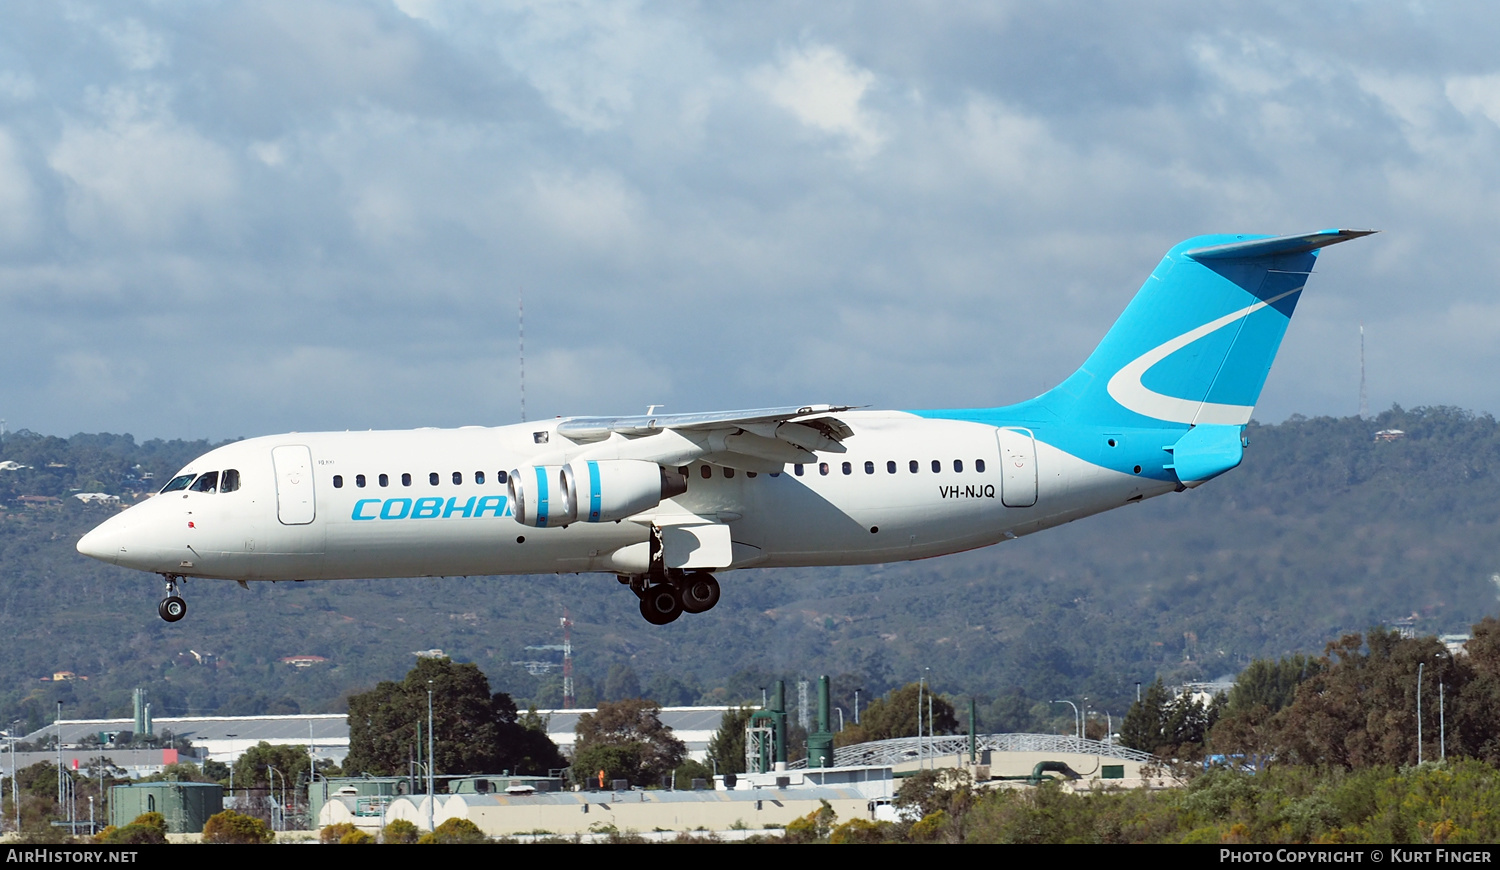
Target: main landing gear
[(678, 592), (172, 608)]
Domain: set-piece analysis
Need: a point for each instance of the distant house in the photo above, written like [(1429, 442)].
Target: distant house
[(39, 500), (303, 661), (96, 498), (12, 465), (1389, 435)]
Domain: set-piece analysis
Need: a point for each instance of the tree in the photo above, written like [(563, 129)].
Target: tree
[(895, 715), (253, 768), (1144, 727), (626, 740), (1361, 709), (1272, 685), (726, 749), (1167, 726), (474, 731)]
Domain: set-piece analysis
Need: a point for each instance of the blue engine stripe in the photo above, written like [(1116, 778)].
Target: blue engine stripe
[(541, 497), (594, 497)]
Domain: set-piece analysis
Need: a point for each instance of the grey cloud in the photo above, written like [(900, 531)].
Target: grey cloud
[(248, 217)]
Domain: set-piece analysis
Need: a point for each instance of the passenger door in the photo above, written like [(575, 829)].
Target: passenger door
[(294, 484)]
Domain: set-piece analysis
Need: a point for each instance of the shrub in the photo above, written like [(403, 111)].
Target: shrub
[(147, 828), (400, 831), (231, 827), (335, 833), (455, 831)]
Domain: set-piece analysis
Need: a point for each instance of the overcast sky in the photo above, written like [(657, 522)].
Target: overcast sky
[(225, 218)]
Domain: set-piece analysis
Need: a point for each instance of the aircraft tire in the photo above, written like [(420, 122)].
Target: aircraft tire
[(172, 609), (661, 604), (700, 592)]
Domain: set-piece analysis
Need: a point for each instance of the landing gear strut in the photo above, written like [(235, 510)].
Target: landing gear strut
[(673, 594), (172, 608)]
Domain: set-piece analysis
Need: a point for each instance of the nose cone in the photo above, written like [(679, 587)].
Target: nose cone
[(106, 542)]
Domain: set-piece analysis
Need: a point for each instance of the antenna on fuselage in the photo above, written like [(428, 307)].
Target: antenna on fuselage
[(521, 327)]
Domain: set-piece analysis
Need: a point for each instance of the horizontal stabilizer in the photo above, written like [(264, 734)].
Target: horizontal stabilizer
[(593, 428), (1276, 247)]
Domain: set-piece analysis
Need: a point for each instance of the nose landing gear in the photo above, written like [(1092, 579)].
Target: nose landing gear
[(173, 607)]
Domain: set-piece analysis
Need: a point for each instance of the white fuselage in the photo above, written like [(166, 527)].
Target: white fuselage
[(432, 515)]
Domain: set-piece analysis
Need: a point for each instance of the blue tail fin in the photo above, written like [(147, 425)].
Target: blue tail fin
[(1196, 344)]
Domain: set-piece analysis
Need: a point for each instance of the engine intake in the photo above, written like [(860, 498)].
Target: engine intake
[(536, 496)]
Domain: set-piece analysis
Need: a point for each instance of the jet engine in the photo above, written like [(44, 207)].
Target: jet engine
[(600, 491), (536, 496)]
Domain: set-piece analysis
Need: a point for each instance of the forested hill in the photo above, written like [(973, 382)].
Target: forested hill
[(1322, 530)]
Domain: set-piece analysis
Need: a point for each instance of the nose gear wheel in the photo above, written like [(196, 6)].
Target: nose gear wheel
[(173, 607)]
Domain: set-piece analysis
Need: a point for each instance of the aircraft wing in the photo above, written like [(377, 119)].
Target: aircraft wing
[(759, 439)]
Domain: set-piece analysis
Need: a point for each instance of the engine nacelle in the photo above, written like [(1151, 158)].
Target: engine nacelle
[(536, 496), (607, 490), (602, 491)]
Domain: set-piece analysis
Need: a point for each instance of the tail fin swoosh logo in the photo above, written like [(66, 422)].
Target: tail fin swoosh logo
[(1126, 387)]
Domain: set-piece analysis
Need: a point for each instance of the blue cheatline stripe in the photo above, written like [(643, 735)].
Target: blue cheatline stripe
[(541, 497), (594, 492)]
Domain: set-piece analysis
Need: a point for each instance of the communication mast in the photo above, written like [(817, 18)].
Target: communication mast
[(569, 699), (521, 336), (1364, 398)]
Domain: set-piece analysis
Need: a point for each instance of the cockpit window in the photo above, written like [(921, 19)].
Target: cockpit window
[(179, 482), (229, 481), (208, 481)]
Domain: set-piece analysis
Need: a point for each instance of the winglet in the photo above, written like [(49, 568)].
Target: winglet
[(1277, 246)]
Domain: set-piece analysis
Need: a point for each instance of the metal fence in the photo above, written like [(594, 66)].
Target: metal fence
[(904, 749)]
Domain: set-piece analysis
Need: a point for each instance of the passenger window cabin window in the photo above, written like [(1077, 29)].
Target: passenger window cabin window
[(890, 466), (208, 481), (359, 481), (432, 478), (405, 479), (869, 467), (728, 473), (797, 469), (479, 477), (914, 466), (501, 477), (958, 465), (385, 480), (229, 480), (749, 474), (458, 478), (937, 466), (848, 469), (979, 465), (823, 468), (338, 481)]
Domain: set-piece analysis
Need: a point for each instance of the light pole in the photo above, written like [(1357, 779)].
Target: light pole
[(1077, 732), (431, 786), (271, 793), (1420, 666)]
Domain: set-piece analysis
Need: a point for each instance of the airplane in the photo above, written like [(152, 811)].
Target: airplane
[(666, 501)]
